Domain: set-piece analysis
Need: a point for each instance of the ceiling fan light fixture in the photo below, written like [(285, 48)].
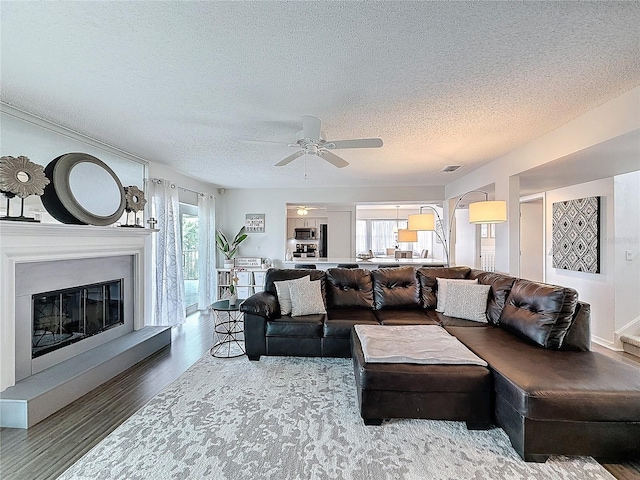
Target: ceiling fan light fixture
[(302, 211)]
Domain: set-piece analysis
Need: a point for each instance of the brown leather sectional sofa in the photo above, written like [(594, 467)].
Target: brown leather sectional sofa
[(547, 390)]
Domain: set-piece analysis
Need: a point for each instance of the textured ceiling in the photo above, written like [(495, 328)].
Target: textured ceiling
[(189, 83)]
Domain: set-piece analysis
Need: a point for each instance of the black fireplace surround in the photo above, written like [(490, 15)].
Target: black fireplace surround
[(63, 317)]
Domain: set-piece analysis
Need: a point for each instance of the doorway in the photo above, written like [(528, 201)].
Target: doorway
[(532, 243), (189, 230)]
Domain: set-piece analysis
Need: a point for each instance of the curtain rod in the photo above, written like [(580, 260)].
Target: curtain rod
[(173, 185)]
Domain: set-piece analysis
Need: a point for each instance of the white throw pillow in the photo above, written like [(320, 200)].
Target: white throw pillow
[(442, 291), (306, 298), (284, 297), (467, 301)]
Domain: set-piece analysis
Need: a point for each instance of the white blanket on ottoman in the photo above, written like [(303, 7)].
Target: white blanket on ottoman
[(422, 344)]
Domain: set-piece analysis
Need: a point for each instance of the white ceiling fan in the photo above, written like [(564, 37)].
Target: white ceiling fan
[(311, 140)]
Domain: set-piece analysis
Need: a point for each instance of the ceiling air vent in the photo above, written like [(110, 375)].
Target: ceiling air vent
[(450, 168)]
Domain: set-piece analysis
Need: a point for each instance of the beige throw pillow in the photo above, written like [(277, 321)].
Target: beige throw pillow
[(441, 301), (306, 298), (284, 297), (467, 301)]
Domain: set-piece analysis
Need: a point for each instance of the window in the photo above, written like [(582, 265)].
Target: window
[(378, 235), (189, 230)]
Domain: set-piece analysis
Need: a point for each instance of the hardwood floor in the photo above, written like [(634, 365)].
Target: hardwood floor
[(50, 447)]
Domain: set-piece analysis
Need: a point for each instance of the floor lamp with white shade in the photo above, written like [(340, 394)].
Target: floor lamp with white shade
[(487, 211)]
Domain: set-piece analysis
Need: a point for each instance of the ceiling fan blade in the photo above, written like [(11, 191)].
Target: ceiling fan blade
[(356, 143), (332, 158), (289, 159), (311, 127), (265, 142)]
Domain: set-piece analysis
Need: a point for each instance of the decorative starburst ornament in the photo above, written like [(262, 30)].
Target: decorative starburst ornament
[(135, 199), (135, 203), (22, 177)]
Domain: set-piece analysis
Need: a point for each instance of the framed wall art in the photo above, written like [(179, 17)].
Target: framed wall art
[(254, 222), (576, 235)]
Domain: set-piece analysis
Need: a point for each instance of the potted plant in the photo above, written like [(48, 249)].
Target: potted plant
[(233, 290), (229, 249)]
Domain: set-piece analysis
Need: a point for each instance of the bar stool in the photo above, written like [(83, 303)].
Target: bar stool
[(308, 266), (348, 265)]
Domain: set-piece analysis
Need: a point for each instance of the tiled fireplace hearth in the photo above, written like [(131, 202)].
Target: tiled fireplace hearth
[(72, 313)]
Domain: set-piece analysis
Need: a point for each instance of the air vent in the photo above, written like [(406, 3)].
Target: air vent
[(450, 168)]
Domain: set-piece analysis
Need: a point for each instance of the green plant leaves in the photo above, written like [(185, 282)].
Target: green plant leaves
[(230, 249)]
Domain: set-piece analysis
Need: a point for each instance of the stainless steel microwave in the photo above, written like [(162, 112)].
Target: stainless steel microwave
[(305, 233)]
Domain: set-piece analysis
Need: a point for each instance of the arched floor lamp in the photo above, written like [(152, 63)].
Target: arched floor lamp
[(494, 211)]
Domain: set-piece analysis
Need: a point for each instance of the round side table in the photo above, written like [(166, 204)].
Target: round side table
[(228, 330)]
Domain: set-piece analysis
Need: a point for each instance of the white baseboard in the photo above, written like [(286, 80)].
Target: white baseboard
[(606, 343), (631, 328)]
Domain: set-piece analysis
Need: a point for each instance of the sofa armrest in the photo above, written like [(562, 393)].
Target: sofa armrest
[(262, 304), (579, 335)]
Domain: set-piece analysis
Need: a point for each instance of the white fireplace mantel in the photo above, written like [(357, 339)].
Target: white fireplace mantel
[(22, 242)]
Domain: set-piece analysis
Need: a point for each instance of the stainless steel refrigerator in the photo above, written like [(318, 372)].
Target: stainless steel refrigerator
[(322, 244)]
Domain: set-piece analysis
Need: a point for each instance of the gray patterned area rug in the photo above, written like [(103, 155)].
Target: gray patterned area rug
[(297, 418)]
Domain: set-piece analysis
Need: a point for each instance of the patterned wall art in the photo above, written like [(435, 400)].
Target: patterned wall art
[(576, 235)]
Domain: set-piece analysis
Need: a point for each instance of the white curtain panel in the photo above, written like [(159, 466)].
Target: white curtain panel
[(169, 307), (207, 276)]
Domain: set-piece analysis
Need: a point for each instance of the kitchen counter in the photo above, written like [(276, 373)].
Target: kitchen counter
[(371, 264)]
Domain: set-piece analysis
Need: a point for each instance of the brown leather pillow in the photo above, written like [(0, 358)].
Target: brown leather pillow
[(539, 312), (500, 287), (395, 287), (349, 287)]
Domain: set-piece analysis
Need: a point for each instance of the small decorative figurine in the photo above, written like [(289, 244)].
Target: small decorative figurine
[(20, 177), (135, 203)]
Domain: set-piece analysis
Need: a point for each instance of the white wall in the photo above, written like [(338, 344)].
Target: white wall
[(465, 241), (627, 238), (159, 170), (597, 289), (42, 142), (612, 119), (235, 203), (532, 253)]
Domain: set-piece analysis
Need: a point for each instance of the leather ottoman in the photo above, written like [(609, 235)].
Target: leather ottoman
[(435, 392)]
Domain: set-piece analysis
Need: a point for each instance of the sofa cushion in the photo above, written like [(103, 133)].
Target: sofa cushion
[(468, 302), (404, 317), (349, 287), (278, 274), (306, 326), (284, 294), (340, 320), (578, 337), (443, 284), (445, 320), (429, 286), (554, 385), (500, 287), (306, 298), (395, 288), (539, 312)]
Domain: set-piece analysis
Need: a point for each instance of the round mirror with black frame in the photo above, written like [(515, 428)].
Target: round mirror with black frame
[(83, 191)]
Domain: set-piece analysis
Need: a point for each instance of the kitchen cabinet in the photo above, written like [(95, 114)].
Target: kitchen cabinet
[(293, 223)]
